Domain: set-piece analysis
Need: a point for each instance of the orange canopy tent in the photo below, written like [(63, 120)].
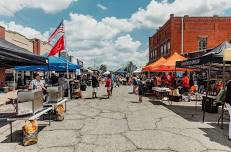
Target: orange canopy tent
[(154, 65), (170, 64)]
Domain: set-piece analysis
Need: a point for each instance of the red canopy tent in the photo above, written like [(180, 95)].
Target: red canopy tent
[(154, 65), (170, 64)]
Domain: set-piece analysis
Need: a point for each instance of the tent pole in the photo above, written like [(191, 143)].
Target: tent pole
[(208, 83), (223, 105), (223, 73), (14, 80), (68, 82)]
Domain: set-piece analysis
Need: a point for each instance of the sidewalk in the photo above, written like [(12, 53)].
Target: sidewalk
[(120, 124)]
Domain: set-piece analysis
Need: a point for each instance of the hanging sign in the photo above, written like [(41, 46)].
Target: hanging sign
[(227, 55)]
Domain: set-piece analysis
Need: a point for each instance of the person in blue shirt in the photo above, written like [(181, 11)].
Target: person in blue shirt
[(113, 79)]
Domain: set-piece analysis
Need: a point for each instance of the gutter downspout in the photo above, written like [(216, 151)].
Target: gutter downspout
[(182, 35)]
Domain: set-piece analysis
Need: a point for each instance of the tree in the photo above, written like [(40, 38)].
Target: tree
[(103, 68), (129, 67)]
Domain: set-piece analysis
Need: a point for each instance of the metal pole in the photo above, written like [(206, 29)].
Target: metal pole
[(14, 80), (182, 35), (223, 104), (208, 83), (68, 84), (11, 131)]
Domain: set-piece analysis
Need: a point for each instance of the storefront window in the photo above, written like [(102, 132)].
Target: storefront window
[(168, 47), (202, 43), (165, 49), (162, 50)]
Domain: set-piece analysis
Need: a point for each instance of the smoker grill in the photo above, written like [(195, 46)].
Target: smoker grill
[(29, 102), (54, 94)]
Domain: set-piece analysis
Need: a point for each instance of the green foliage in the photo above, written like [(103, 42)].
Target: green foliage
[(103, 68)]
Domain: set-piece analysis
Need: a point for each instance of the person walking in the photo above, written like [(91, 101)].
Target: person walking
[(134, 84), (95, 85), (108, 83), (117, 82), (228, 102), (141, 89), (113, 79)]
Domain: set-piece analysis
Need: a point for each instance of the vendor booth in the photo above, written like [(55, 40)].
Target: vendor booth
[(212, 63), (137, 71), (154, 65), (170, 64), (58, 64), (12, 55), (120, 71), (29, 105)]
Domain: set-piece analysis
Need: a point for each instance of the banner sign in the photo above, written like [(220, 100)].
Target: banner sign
[(227, 55)]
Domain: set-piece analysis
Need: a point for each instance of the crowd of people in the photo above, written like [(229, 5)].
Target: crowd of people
[(93, 80)]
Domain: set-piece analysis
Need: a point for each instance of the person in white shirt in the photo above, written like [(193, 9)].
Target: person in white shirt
[(36, 83)]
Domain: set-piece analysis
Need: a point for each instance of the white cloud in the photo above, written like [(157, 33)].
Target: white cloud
[(103, 40), (102, 7), (26, 31), (109, 40), (123, 25), (127, 44), (9, 8), (156, 13)]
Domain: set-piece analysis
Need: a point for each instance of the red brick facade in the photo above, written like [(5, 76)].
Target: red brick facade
[(36, 46), (2, 32), (2, 70), (168, 38)]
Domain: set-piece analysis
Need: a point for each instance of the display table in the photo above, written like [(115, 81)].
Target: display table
[(161, 89), (208, 96), (27, 117), (53, 105), (162, 92)]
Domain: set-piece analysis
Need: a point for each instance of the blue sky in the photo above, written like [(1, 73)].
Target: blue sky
[(112, 31), (36, 17)]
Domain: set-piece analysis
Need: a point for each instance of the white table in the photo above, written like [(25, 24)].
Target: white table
[(161, 89), (161, 92), (209, 96), (64, 100), (37, 115)]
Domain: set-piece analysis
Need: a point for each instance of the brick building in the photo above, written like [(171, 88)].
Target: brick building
[(188, 34), (33, 45)]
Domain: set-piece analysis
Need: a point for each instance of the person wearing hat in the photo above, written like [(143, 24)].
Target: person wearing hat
[(36, 83)]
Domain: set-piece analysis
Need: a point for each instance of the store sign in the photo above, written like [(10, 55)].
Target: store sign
[(227, 54)]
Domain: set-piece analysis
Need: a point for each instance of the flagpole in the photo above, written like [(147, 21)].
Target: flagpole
[(68, 82)]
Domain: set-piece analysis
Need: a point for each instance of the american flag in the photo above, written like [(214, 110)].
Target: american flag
[(59, 29)]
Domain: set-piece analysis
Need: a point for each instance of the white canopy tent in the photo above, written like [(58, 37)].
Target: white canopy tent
[(138, 70)]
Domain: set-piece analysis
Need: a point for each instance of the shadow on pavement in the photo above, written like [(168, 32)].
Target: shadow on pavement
[(3, 118), (134, 101), (18, 136), (194, 113), (218, 136)]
